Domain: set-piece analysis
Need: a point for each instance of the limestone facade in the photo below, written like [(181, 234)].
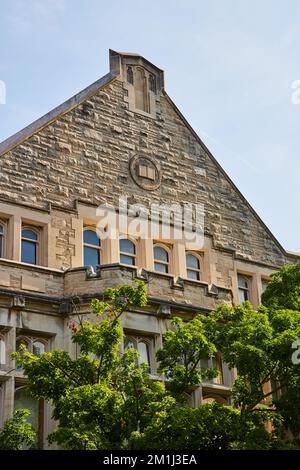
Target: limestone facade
[(122, 136)]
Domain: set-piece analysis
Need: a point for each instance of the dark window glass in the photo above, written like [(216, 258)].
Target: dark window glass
[(29, 252), (29, 247), (91, 248), (161, 268), (244, 288), (124, 259), (193, 267), (160, 254), (127, 246), (161, 260), (90, 237), (91, 256), (29, 234), (192, 262), (195, 275), (127, 252)]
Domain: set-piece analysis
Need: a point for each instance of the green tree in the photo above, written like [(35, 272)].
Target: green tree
[(184, 347), (17, 433), (103, 400), (252, 342), (283, 292), (99, 398)]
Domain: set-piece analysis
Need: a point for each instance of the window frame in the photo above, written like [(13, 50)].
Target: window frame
[(29, 342), (214, 362), (88, 245), (129, 255), (168, 263), (244, 289), (3, 238), (3, 351), (135, 340), (36, 243), (196, 270), (39, 404)]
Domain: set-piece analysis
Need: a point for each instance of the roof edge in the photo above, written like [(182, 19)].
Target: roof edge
[(20, 136), (285, 252)]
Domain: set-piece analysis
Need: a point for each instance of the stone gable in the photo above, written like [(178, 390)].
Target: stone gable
[(84, 155)]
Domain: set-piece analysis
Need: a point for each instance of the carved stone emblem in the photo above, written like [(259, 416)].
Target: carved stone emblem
[(145, 172)]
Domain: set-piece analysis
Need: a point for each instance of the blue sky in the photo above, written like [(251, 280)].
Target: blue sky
[(229, 66)]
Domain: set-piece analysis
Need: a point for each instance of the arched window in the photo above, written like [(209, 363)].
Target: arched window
[(38, 348), (30, 243), (161, 259), (127, 252), (144, 353), (129, 343), (215, 362), (193, 267), (21, 342), (23, 399), (2, 239), (143, 348), (91, 248), (208, 399)]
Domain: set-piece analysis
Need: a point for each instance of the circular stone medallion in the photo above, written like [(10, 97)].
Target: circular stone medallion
[(145, 172)]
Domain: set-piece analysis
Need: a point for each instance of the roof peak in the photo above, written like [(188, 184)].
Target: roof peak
[(119, 61)]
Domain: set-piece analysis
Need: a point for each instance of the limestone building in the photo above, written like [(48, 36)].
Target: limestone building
[(121, 136)]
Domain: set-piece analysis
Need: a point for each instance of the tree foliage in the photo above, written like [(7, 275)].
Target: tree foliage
[(17, 434), (104, 400), (284, 290)]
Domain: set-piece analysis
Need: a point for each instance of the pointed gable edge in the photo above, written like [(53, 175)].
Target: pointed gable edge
[(25, 133), (65, 107), (227, 177)]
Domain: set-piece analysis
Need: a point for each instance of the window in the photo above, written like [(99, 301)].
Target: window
[(23, 399), (161, 259), (127, 252), (2, 239), (142, 346), (264, 284), (217, 363), (193, 267), (277, 391), (214, 399), (29, 249), (91, 248), (214, 362), (2, 352), (20, 344), (244, 288), (36, 346), (144, 353)]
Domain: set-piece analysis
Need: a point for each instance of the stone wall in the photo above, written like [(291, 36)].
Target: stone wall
[(84, 155)]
